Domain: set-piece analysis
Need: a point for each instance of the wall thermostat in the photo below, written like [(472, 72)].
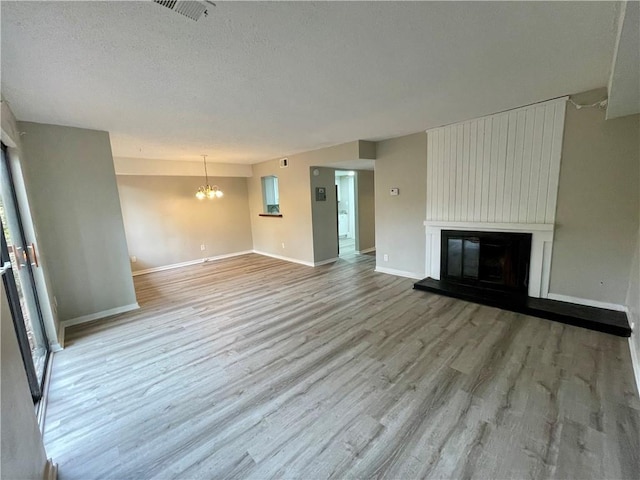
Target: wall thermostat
[(394, 191), (321, 194)]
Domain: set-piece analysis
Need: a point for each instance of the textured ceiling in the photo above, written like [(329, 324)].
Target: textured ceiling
[(255, 81)]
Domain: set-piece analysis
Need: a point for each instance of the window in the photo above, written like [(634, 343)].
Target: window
[(270, 197)]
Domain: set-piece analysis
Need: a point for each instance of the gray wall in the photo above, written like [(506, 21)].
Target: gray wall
[(165, 223), (597, 213), (324, 215), (71, 184), (294, 229), (11, 138), (399, 229), (366, 218), (22, 450)]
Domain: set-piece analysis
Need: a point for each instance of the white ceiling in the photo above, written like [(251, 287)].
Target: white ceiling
[(255, 81)]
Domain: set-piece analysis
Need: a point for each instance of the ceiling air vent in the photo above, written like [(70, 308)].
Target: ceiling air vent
[(190, 9)]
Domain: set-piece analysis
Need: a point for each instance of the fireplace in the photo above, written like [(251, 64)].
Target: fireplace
[(486, 260)]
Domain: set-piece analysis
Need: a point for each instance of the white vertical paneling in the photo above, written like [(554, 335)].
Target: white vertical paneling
[(554, 170), (441, 168), (534, 178), (526, 164), (430, 166), (452, 173), (477, 214), (493, 175), (473, 138), (465, 169), (501, 168), (545, 165), (517, 166), (486, 170), (459, 172), (446, 161), (509, 167)]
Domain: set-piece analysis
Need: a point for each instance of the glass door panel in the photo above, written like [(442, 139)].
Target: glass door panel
[(21, 284)]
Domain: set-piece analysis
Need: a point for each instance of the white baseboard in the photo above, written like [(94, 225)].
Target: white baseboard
[(190, 262), (324, 262), (587, 302), (400, 273), (61, 336), (98, 315), (635, 358), (366, 250), (286, 259)]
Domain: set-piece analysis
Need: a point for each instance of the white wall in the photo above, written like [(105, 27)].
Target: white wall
[(22, 454), (71, 184)]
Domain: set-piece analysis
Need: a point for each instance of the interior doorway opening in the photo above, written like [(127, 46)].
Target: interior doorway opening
[(346, 211)]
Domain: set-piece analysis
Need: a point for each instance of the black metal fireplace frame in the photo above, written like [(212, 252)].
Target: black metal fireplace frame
[(519, 242)]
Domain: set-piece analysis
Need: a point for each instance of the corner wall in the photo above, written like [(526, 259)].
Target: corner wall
[(294, 229), (597, 214), (365, 204), (399, 228), (71, 184), (166, 224), (324, 215)]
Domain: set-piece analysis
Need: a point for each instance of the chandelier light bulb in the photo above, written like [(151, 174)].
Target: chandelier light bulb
[(206, 190)]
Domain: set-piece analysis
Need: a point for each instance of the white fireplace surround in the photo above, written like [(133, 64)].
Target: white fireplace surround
[(541, 245)]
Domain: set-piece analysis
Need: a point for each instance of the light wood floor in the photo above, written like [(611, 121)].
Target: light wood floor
[(256, 368)]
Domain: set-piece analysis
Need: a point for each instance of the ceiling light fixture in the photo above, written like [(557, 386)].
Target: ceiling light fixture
[(206, 190)]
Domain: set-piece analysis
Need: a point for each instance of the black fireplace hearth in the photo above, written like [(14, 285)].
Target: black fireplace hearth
[(492, 268)]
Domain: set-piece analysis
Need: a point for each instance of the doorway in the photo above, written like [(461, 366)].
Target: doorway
[(18, 259), (347, 212)]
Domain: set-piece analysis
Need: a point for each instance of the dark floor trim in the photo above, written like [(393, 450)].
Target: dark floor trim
[(593, 318)]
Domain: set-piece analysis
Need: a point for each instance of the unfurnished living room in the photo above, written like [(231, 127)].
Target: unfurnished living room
[(312, 240)]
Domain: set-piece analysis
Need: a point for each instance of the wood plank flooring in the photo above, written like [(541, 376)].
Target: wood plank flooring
[(255, 368)]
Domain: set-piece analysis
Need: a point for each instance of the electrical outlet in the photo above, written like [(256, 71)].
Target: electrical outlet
[(282, 244), (203, 247), (134, 259), (385, 257)]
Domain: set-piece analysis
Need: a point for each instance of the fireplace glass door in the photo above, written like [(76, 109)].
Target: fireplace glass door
[(464, 257), (493, 260)]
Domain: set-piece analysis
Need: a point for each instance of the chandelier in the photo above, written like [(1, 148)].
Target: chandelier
[(206, 190)]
